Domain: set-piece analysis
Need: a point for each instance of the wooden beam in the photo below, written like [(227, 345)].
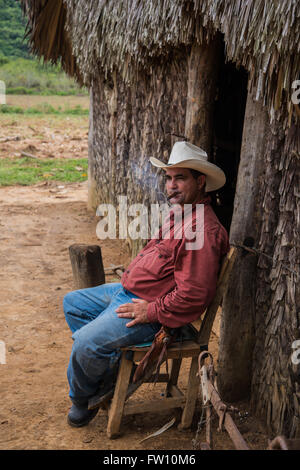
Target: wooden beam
[(238, 309), (175, 351), (203, 66), (191, 396), (175, 392), (154, 406), (117, 405)]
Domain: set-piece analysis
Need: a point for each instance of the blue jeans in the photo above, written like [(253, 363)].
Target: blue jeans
[(98, 335)]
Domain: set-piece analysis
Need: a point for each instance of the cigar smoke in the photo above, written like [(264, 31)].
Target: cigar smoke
[(145, 178)]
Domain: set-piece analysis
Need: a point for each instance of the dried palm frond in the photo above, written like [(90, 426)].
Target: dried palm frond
[(128, 36), (47, 35)]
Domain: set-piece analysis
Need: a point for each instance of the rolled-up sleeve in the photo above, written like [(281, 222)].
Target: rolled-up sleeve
[(195, 274)]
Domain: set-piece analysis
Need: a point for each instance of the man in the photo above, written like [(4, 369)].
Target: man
[(166, 284)]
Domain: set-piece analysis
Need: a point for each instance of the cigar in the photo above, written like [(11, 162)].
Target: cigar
[(172, 195)]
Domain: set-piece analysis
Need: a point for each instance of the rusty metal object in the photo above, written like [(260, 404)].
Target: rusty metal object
[(282, 443), (211, 398), (210, 394), (208, 428)]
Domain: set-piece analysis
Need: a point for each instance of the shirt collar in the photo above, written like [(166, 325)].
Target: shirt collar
[(206, 199)]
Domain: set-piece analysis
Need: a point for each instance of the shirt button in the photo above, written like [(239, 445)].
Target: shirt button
[(160, 256), (128, 271), (141, 254)]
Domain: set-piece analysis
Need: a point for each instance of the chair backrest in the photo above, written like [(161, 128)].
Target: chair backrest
[(209, 316)]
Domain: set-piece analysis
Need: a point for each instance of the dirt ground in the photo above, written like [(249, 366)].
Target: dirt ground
[(44, 136), (38, 224)]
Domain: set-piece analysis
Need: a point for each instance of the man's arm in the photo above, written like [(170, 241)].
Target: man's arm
[(196, 274)]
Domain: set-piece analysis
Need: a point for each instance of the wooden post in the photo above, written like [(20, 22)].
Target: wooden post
[(118, 401), (203, 68), (237, 333), (87, 265), (93, 196), (191, 396)]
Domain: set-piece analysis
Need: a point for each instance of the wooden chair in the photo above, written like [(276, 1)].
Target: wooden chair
[(174, 398)]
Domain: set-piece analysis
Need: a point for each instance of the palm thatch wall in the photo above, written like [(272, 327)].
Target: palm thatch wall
[(128, 124), (136, 58)]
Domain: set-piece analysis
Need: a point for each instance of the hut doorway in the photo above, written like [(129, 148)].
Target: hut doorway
[(229, 112)]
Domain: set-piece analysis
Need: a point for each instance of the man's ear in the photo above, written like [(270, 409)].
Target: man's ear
[(201, 182)]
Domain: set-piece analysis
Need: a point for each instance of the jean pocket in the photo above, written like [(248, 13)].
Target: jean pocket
[(116, 294)]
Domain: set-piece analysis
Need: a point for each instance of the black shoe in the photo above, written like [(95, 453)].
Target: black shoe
[(80, 415)]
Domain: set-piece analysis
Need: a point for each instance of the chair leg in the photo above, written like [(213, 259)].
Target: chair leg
[(175, 369), (117, 405), (191, 396)]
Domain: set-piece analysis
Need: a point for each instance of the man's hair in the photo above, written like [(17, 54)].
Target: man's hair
[(196, 173)]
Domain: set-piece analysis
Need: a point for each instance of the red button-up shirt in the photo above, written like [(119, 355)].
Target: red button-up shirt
[(179, 283)]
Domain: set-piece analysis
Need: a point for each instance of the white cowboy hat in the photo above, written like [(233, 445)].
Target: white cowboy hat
[(186, 155)]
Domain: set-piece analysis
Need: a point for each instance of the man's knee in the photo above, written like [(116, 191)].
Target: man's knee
[(87, 353), (68, 301), (69, 308)]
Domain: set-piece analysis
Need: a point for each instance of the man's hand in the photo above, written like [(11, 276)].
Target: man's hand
[(137, 311)]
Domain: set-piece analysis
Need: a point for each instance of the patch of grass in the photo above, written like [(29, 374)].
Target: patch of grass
[(27, 171), (31, 76), (44, 108), (47, 92)]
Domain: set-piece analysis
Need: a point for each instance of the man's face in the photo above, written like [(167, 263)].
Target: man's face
[(182, 186)]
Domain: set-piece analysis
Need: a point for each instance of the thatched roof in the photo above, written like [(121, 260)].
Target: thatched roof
[(261, 35), (47, 34)]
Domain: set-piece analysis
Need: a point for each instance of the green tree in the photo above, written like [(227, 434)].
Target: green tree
[(12, 30)]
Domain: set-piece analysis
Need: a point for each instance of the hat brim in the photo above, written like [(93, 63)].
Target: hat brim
[(215, 177)]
